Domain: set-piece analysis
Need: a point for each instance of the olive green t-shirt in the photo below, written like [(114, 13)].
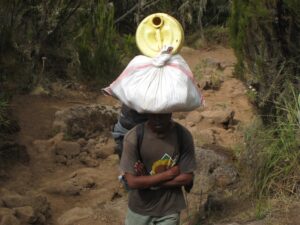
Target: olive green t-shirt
[(157, 155)]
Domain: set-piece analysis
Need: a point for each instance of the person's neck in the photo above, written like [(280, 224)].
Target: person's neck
[(164, 133)]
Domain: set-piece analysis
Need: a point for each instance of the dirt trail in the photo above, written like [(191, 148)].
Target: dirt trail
[(36, 115)]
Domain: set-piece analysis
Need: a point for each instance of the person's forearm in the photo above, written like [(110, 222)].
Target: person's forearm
[(180, 180), (143, 182)]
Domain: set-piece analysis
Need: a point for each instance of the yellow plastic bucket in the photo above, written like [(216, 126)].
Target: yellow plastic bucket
[(158, 30)]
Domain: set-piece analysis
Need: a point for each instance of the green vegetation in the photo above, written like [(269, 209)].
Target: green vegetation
[(34, 37), (45, 41), (280, 167), (272, 152), (211, 36), (217, 35), (262, 210), (97, 47), (264, 36), (92, 40), (129, 48), (210, 73)]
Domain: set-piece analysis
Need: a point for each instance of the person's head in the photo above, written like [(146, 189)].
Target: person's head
[(160, 123)]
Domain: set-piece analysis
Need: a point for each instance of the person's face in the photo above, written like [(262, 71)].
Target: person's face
[(159, 123)]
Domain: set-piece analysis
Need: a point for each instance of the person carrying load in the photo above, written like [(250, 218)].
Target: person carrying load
[(157, 162), (158, 156)]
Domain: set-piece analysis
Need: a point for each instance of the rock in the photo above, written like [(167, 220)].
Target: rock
[(32, 208), (65, 188), (85, 121), (25, 214), (107, 195), (73, 216), (224, 117), (91, 142), (82, 142), (113, 159), (57, 138), (43, 145), (90, 145), (83, 154), (102, 151), (74, 185), (203, 137), (61, 159), (103, 139), (9, 220), (13, 201), (89, 161), (110, 215), (225, 176), (41, 219), (86, 182), (41, 207), (46, 148), (6, 211), (96, 151), (7, 217), (213, 204), (194, 117), (68, 149), (214, 176), (69, 162)]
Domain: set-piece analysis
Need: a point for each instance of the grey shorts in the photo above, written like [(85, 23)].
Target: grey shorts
[(133, 218)]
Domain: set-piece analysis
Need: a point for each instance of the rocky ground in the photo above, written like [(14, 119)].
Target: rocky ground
[(62, 169)]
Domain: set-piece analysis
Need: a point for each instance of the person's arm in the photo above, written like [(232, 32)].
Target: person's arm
[(182, 179), (187, 163), (143, 182)]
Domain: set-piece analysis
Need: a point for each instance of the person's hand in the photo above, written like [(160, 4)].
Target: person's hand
[(140, 168), (173, 171)]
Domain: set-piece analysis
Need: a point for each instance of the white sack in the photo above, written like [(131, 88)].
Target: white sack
[(157, 85)]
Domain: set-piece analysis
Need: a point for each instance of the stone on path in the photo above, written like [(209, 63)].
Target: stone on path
[(73, 216)]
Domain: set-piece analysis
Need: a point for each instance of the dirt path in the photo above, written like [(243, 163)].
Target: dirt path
[(99, 199)]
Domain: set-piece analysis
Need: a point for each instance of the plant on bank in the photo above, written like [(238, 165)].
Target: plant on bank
[(97, 45), (264, 36), (274, 150)]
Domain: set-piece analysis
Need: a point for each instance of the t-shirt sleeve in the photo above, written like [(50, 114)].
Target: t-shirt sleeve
[(187, 160), (129, 155)]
